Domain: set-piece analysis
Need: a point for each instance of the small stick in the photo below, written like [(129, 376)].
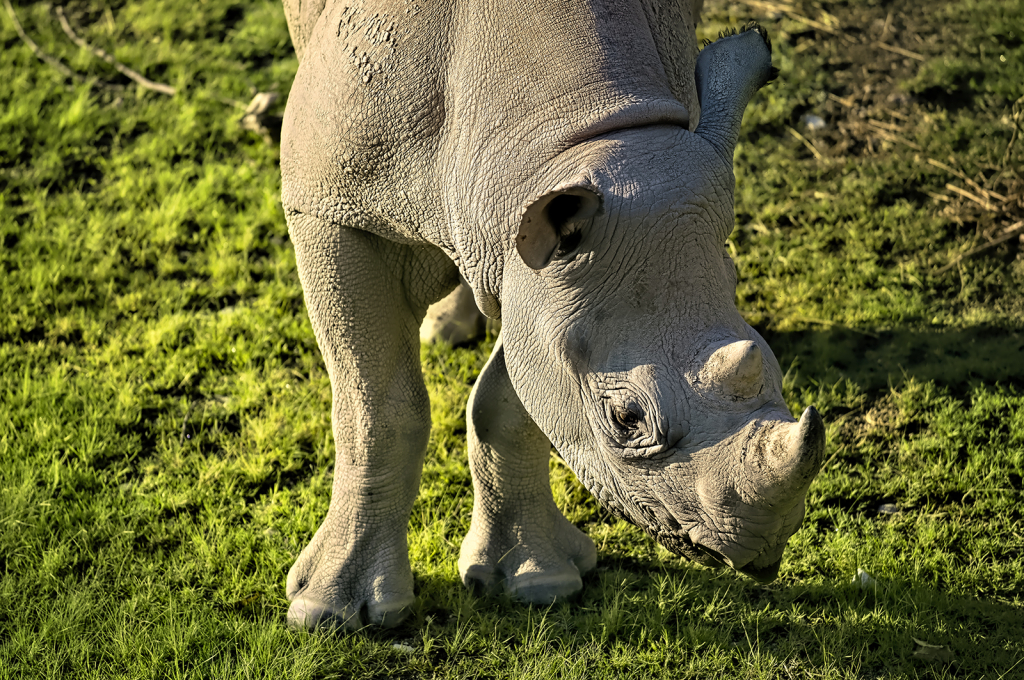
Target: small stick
[(142, 80), (811, 147), (974, 185), (64, 70), (885, 134), (781, 7), (812, 23), (891, 127), (886, 26), (901, 51), (848, 102), (787, 9), (1018, 111), (1008, 233), (968, 195)]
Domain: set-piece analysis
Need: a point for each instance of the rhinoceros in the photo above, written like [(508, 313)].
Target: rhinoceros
[(571, 160)]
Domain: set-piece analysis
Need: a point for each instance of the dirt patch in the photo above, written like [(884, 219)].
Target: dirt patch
[(877, 103)]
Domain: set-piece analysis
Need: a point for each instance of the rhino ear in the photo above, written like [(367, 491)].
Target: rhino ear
[(552, 221)]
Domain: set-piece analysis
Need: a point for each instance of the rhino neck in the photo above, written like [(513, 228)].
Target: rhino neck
[(525, 84)]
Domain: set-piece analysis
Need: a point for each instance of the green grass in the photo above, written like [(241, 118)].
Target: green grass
[(165, 446)]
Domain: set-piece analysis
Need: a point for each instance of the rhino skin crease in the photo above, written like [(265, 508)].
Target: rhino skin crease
[(550, 153)]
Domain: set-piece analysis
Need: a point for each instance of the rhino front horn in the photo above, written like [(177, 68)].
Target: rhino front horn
[(800, 457), (729, 71)]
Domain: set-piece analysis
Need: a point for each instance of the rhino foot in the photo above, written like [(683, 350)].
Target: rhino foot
[(538, 562), (350, 579), (518, 539)]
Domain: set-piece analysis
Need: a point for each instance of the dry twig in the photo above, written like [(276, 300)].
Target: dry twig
[(884, 133), (891, 127), (1017, 113), (789, 11), (142, 80), (38, 51), (972, 197), (848, 102), (974, 185), (900, 51), (806, 142), (1008, 233)]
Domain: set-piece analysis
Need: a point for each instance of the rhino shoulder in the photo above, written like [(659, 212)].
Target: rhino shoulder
[(366, 108)]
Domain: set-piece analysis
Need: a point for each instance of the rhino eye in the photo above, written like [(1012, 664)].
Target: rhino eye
[(628, 423), (626, 418)]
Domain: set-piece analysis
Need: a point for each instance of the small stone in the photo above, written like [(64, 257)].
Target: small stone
[(812, 122)]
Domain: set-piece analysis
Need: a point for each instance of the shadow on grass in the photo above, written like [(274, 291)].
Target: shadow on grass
[(956, 358), (696, 616)]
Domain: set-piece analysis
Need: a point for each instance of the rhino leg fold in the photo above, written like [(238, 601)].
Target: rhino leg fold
[(519, 539), (356, 569)]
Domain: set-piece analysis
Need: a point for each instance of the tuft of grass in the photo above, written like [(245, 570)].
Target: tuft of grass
[(165, 443)]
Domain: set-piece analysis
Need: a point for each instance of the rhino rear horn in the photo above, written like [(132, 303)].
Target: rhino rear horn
[(551, 222)]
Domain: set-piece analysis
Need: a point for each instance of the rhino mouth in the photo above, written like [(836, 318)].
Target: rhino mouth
[(680, 543)]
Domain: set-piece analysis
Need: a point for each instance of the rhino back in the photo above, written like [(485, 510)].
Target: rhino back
[(430, 122)]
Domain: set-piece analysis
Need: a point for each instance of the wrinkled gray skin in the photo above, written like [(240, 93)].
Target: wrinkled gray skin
[(543, 150)]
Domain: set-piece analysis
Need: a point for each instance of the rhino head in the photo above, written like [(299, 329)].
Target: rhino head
[(624, 343)]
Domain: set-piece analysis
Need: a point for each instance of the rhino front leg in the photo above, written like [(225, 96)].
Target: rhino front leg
[(518, 537), (356, 569)]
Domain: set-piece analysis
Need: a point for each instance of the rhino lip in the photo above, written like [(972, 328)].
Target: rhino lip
[(765, 574)]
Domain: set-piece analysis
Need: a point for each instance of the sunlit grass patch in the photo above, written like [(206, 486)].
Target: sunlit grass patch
[(165, 440)]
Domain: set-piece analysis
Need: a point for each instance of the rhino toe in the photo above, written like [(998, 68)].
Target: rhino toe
[(546, 587), (312, 615)]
